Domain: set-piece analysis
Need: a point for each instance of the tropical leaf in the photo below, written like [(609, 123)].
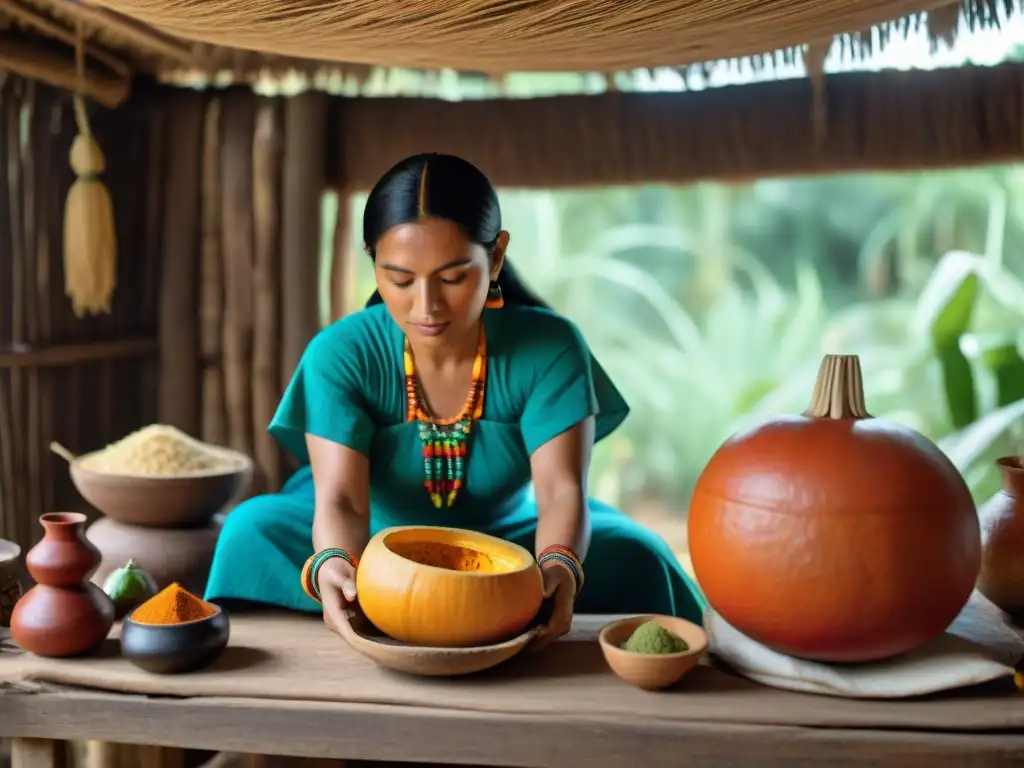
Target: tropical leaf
[(965, 447)]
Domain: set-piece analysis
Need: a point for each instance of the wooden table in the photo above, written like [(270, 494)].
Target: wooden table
[(40, 721)]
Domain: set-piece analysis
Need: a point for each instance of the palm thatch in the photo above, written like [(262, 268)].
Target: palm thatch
[(44, 33)]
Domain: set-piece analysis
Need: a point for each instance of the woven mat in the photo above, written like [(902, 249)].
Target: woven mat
[(283, 656)]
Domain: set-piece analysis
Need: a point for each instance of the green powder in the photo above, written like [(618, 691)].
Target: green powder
[(651, 637)]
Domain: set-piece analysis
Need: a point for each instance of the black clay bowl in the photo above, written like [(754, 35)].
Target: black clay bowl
[(167, 649)]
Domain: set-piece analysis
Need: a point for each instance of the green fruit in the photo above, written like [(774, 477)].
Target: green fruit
[(129, 587)]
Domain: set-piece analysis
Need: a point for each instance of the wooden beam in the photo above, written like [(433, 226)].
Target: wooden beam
[(57, 355), (891, 121), (55, 66), (134, 32), (54, 30)]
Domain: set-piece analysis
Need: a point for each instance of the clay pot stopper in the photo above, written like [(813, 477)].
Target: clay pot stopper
[(839, 390)]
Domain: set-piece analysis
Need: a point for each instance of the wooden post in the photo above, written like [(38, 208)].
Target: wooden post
[(343, 266), (305, 162), (268, 145), (102, 754), (238, 113), (109, 755), (211, 283), (39, 753), (179, 298), (159, 757)]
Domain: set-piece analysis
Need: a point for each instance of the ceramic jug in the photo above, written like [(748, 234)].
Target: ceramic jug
[(64, 614), (10, 586), (1002, 530)]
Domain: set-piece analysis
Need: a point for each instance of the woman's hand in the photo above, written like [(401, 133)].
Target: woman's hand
[(559, 584), (336, 580)]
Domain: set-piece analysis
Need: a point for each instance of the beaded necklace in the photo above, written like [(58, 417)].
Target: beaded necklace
[(445, 441)]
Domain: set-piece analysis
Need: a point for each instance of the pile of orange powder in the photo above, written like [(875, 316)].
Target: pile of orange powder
[(173, 605)]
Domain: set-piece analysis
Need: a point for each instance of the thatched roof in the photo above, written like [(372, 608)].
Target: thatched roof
[(39, 38), (239, 40)]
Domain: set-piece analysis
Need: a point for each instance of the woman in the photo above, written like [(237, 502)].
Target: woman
[(452, 349)]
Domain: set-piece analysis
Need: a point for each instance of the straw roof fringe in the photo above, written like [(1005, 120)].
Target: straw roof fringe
[(242, 41)]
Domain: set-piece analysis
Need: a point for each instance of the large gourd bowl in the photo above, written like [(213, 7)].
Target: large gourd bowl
[(446, 587), (173, 501)]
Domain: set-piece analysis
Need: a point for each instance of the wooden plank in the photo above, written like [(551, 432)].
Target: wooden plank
[(39, 753), (315, 729)]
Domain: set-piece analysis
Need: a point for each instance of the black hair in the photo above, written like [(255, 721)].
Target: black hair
[(444, 187)]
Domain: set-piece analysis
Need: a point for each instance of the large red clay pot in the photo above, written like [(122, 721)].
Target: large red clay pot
[(64, 614), (1002, 533), (833, 535)]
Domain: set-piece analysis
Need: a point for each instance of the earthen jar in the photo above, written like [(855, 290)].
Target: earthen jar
[(64, 614), (10, 586), (1002, 529), (183, 555)]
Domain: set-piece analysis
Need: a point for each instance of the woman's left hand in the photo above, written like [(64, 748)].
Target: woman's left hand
[(559, 585)]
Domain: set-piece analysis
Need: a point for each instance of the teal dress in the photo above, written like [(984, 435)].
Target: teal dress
[(349, 387)]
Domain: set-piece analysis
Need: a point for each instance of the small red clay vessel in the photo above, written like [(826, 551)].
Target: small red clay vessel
[(1002, 536), (64, 614)]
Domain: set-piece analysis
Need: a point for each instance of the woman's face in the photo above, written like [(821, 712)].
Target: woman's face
[(433, 280)]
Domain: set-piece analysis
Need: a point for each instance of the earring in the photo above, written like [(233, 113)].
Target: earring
[(494, 298)]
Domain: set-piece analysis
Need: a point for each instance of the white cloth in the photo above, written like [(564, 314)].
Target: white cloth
[(946, 663)]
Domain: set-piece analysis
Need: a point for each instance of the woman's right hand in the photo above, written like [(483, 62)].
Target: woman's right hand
[(336, 580)]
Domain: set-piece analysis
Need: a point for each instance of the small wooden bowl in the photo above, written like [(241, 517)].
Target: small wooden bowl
[(166, 502), (426, 661), (652, 671), (167, 649)]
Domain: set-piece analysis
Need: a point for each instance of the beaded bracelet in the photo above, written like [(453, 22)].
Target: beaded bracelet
[(311, 569), (564, 555)]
